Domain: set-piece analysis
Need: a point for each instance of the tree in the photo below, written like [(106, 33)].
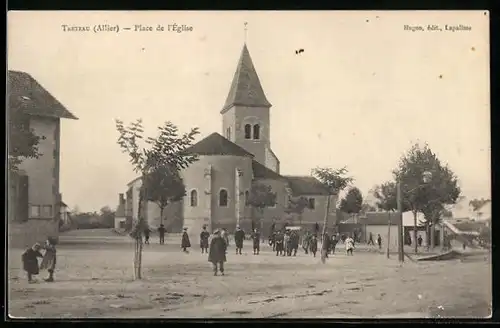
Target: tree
[(334, 181), (386, 196), (167, 149), (476, 203), (425, 196), (23, 142), (297, 205), (260, 197), (164, 185), (353, 201), (107, 217)]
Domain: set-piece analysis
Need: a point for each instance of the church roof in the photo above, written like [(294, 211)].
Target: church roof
[(306, 185), (215, 144), (246, 89), (262, 172), (26, 94)]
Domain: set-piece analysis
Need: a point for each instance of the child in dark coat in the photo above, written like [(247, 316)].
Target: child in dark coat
[(185, 243), (30, 261)]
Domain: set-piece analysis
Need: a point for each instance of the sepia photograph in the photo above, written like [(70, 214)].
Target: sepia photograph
[(248, 164)]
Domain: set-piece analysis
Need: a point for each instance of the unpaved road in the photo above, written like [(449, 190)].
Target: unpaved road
[(96, 282)]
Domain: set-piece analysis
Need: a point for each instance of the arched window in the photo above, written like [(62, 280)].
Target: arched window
[(256, 132), (223, 198), (194, 198), (248, 131), (247, 198)]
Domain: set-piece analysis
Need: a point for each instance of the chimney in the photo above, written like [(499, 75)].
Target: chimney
[(121, 199)]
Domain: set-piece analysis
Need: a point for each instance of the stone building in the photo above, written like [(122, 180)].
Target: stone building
[(35, 202), (219, 183)]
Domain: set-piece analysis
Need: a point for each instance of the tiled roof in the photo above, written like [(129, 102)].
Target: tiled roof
[(262, 172), (245, 89), (380, 218), (26, 94), (306, 185), (215, 144)]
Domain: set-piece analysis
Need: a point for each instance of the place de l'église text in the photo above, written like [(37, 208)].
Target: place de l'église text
[(103, 28)]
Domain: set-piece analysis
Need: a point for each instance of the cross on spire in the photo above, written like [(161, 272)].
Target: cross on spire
[(246, 23)]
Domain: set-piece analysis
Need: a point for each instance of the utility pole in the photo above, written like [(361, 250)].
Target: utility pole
[(388, 234), (400, 224)]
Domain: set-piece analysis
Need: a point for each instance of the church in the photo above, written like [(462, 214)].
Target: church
[(218, 184)]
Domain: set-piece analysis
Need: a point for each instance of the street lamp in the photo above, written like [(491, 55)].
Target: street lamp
[(426, 178)]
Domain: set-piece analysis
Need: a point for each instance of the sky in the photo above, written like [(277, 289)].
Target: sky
[(360, 94)]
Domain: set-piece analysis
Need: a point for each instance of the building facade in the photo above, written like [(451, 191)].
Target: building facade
[(39, 210), (219, 184)]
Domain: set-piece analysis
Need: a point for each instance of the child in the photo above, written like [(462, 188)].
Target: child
[(313, 245), (349, 245), (30, 261), (49, 259)]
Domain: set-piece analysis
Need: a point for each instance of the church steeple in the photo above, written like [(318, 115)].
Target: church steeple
[(246, 89)]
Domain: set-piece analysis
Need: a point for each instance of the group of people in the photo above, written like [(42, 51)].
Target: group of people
[(30, 260), (285, 242)]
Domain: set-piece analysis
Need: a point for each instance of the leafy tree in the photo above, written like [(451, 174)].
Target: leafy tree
[(297, 205), (428, 197), (334, 180), (353, 201), (386, 196), (164, 185), (476, 203), (107, 217), (260, 197), (23, 142), (168, 149)]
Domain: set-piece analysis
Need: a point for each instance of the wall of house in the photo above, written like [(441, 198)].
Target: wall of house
[(383, 230), (43, 172)]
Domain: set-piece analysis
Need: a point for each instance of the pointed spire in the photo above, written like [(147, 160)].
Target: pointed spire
[(245, 39), (246, 89)]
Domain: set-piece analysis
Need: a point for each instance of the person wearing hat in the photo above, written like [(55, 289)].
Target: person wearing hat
[(204, 235), (217, 252), (256, 242), (161, 233), (30, 261), (185, 243), (239, 236)]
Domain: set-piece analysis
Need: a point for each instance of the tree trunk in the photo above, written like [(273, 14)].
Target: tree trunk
[(325, 220), (433, 235), (161, 215), (138, 238), (389, 236), (429, 237), (415, 231)]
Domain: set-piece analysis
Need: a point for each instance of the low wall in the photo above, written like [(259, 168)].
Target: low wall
[(24, 235)]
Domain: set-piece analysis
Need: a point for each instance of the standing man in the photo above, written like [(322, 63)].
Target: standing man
[(333, 243), (239, 236), (379, 241), (419, 240), (305, 242), (217, 254), (256, 242), (161, 233), (204, 235), (286, 243), (185, 243), (325, 247), (294, 241), (313, 245), (279, 240)]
